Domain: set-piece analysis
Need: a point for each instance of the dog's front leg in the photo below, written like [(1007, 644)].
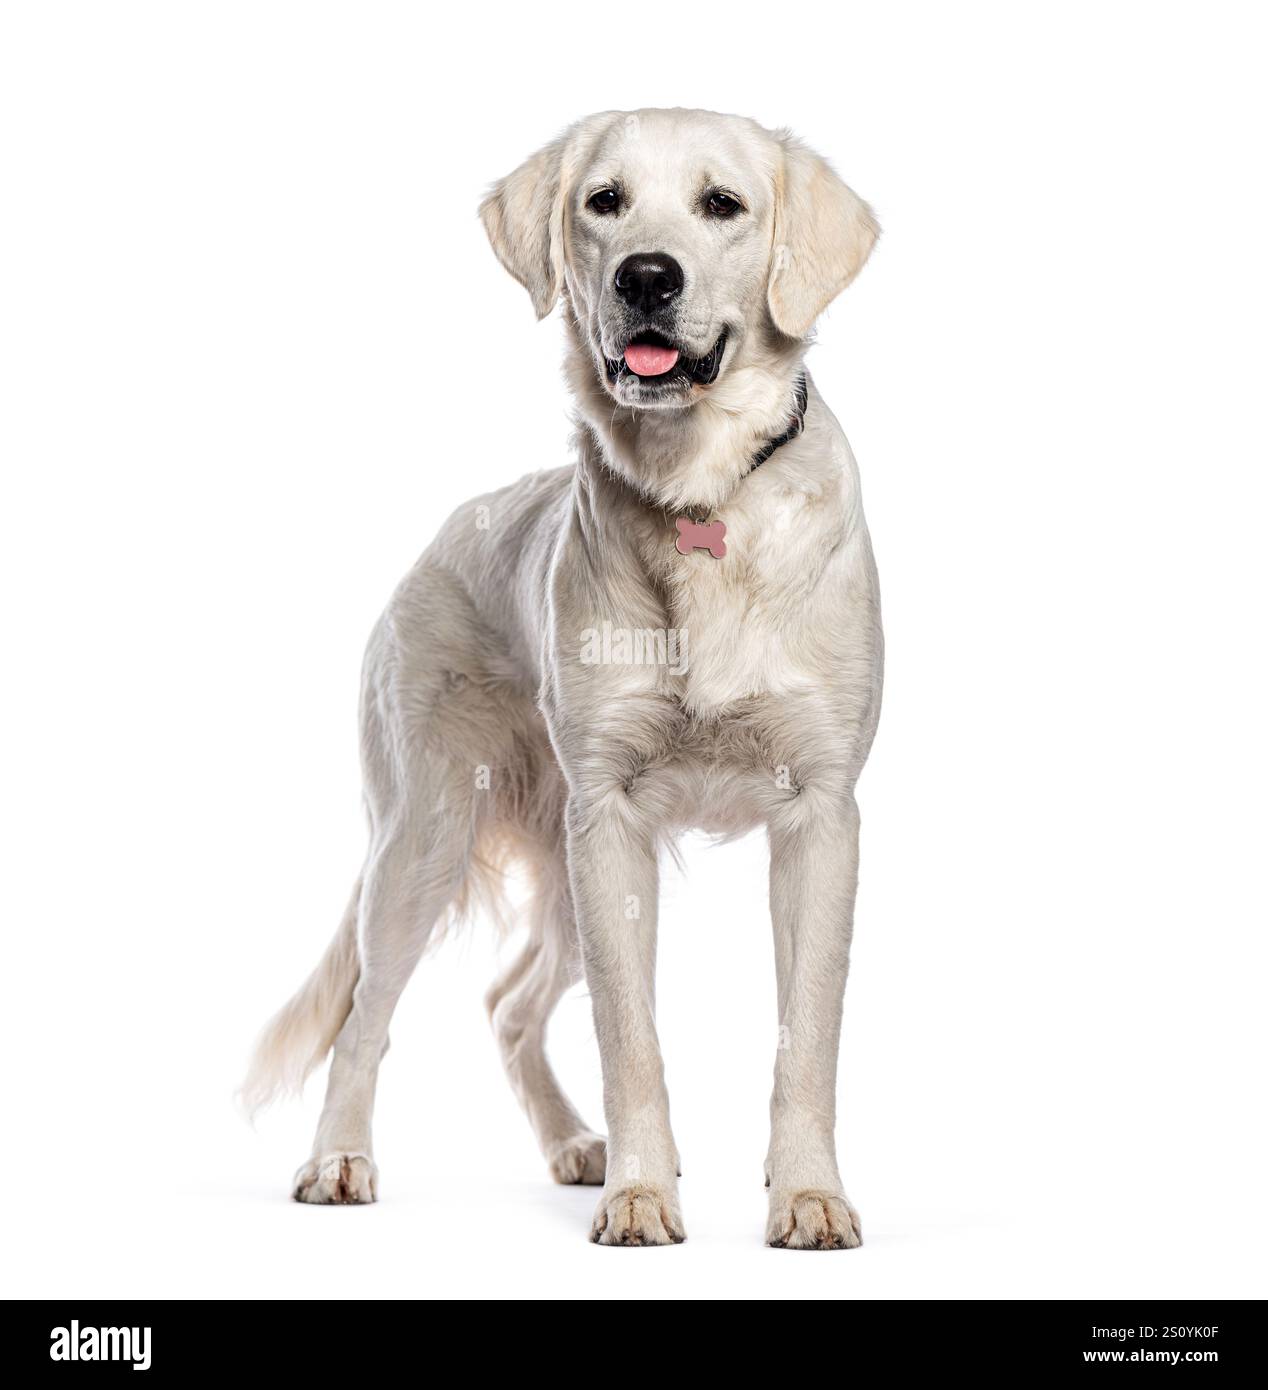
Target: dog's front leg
[(814, 870), (612, 865)]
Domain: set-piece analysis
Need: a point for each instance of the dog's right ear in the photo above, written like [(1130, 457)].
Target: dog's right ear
[(524, 216)]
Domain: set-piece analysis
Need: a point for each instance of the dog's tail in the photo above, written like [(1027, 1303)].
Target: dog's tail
[(298, 1036)]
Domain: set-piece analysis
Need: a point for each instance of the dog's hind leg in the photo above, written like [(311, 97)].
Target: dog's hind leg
[(520, 1004), (412, 877)]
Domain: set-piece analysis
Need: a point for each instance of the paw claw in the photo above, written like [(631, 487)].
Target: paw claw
[(339, 1180), (581, 1159), (812, 1220), (635, 1216)]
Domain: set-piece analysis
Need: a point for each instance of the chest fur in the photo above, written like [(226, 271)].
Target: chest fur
[(752, 620)]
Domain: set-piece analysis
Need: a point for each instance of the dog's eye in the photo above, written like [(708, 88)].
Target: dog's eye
[(605, 200), (719, 204)]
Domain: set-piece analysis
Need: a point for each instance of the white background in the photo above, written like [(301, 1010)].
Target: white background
[(255, 348)]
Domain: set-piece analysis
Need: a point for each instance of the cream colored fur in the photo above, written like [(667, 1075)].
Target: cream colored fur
[(487, 734)]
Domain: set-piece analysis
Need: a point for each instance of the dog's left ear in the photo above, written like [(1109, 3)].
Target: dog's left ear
[(523, 215), (823, 233)]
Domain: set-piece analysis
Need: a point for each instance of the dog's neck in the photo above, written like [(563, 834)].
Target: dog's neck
[(690, 460)]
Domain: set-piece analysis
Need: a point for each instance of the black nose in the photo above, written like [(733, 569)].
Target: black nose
[(648, 280)]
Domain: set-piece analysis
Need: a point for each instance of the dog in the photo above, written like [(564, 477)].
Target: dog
[(693, 253)]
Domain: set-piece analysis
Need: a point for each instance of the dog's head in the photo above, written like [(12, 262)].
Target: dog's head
[(686, 243)]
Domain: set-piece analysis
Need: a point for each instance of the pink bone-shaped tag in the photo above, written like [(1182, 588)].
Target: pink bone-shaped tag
[(692, 535)]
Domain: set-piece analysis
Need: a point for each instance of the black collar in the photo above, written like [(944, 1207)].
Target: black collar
[(795, 427), (796, 424)]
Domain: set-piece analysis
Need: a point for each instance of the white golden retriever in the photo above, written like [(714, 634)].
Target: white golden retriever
[(680, 629)]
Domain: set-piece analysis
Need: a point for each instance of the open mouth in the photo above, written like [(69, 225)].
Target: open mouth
[(653, 358)]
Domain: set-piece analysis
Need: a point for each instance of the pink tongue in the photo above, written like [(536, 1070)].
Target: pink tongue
[(645, 360)]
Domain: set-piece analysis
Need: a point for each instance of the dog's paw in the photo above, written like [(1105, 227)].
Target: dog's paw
[(641, 1215), (337, 1180), (580, 1159), (812, 1220)]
